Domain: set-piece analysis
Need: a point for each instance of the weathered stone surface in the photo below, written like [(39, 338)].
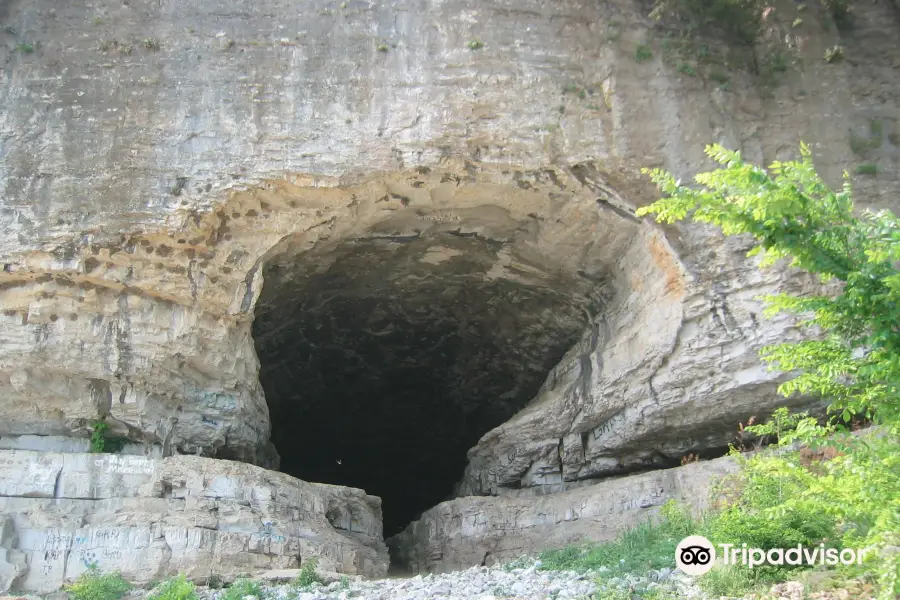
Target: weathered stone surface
[(58, 443), (485, 531), (158, 159), (150, 519)]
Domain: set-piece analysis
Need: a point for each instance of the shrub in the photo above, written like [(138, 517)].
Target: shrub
[(175, 588), (95, 585), (100, 442), (308, 576), (852, 495), (241, 588)]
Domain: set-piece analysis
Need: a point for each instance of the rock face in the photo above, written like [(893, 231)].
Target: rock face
[(487, 531), (345, 240), (150, 519)]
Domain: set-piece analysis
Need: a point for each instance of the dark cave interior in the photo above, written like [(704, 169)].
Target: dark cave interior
[(383, 361)]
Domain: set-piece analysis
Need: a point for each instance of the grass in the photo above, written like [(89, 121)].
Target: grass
[(651, 545), (867, 169), (25, 48), (765, 505), (152, 44), (646, 546), (733, 581)]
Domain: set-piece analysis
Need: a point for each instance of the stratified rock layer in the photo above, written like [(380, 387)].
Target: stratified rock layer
[(188, 188), (486, 531), (150, 519)]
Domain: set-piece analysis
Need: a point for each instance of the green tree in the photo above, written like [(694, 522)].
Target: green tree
[(854, 358)]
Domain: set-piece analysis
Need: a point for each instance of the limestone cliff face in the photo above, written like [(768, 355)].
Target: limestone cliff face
[(171, 171)]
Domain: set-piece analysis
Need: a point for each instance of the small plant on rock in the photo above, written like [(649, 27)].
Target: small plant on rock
[(867, 169), (242, 588), (834, 54), (687, 69), (175, 588), (642, 53), (98, 439), (308, 576), (96, 585), (475, 45)]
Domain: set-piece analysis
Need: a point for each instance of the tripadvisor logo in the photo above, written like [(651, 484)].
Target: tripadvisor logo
[(695, 555)]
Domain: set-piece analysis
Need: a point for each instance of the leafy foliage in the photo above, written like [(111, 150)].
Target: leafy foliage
[(308, 576), (100, 442), (175, 588), (846, 494), (786, 427), (793, 215), (96, 585), (851, 497), (242, 588)]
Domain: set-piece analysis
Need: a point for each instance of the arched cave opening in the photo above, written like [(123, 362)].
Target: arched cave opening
[(384, 360)]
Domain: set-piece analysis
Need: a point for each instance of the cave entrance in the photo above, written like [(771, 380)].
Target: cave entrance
[(385, 359)]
